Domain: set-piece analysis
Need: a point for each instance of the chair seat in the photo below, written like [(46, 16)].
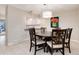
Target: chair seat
[(66, 40), (39, 42), (55, 45)]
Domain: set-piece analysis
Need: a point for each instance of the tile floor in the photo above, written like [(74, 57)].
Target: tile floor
[(23, 49)]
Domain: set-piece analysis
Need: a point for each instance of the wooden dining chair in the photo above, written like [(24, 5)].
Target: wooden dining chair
[(35, 41), (57, 42), (68, 37)]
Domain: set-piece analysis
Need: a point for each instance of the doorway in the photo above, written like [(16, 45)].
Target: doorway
[(2, 33)]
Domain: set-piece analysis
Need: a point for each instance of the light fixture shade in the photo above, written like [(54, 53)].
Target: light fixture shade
[(47, 14)]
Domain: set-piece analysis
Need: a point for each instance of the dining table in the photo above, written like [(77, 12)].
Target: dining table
[(44, 34)]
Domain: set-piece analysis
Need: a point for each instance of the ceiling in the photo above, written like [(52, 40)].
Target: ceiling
[(38, 8)]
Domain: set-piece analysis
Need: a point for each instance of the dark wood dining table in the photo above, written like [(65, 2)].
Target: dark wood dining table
[(44, 34)]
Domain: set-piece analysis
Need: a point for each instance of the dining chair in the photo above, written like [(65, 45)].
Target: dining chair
[(35, 41), (68, 37), (57, 42)]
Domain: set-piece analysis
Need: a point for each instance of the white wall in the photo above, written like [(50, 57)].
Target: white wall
[(68, 19), (2, 12), (16, 25)]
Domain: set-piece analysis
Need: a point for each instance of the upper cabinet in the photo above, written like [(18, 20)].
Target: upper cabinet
[(2, 12)]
